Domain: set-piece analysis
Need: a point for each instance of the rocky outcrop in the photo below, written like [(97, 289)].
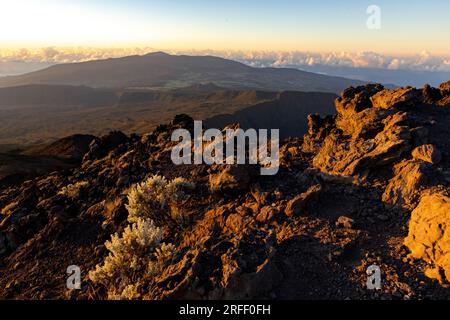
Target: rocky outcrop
[(99, 147), (352, 150), (427, 153), (376, 127), (396, 137), (355, 100), (318, 129), (445, 89), (397, 98)]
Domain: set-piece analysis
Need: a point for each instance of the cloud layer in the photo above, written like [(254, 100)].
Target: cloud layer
[(420, 62)]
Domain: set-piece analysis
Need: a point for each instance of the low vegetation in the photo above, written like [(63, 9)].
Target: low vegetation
[(138, 255), (159, 200)]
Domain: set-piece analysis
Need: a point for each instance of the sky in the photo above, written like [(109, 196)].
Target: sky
[(407, 27)]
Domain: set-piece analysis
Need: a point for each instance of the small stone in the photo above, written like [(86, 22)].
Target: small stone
[(266, 213), (231, 178), (428, 153), (345, 222), (298, 204)]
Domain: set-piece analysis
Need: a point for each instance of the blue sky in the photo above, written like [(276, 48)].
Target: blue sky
[(407, 26)]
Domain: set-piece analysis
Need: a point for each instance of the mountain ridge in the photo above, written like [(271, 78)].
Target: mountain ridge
[(161, 70)]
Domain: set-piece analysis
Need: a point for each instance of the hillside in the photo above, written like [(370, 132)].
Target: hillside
[(288, 113), (41, 114), (160, 70), (369, 186), (18, 165), (54, 95)]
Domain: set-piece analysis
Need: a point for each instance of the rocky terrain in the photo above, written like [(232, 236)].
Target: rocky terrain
[(369, 186)]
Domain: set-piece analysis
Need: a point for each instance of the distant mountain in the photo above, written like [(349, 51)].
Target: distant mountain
[(164, 71), (287, 112)]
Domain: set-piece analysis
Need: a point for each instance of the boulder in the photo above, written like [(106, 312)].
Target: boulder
[(427, 153), (431, 95), (444, 102), (403, 189), (183, 120), (231, 178), (429, 235), (99, 147), (390, 144), (318, 129), (345, 222), (235, 223), (300, 202), (363, 140), (266, 214), (342, 156), (445, 88), (364, 124)]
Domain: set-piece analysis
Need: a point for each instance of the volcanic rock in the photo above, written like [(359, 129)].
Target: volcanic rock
[(231, 178), (429, 235), (427, 153), (404, 188), (398, 98), (300, 202)]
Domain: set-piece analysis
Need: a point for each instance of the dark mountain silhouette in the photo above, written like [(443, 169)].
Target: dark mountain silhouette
[(161, 70), (70, 148), (288, 112), (22, 164)]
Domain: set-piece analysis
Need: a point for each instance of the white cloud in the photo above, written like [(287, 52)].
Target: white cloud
[(423, 61)]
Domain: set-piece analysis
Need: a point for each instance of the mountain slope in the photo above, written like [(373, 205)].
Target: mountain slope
[(288, 112), (38, 114), (160, 70), (55, 95), (368, 187)]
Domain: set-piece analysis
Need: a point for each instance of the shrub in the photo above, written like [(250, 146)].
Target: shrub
[(135, 258), (72, 191), (159, 200), (138, 255)]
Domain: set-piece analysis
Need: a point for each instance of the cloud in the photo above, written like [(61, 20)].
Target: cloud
[(423, 61), (67, 55)]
